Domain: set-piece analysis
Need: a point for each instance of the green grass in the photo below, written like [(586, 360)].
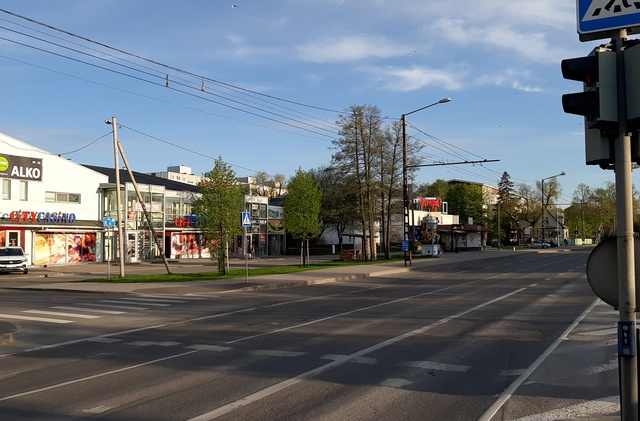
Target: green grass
[(236, 273)]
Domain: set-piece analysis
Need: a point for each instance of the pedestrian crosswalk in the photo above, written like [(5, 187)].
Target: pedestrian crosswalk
[(63, 314)]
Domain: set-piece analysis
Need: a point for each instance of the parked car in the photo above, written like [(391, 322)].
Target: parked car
[(538, 244), (13, 259)]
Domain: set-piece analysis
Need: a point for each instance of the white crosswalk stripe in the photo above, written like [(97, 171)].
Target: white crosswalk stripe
[(108, 304), (35, 319), (91, 310), (61, 314)]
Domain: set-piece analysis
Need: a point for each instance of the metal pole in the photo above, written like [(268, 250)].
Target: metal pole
[(121, 238), (405, 188), (542, 211), (627, 361)]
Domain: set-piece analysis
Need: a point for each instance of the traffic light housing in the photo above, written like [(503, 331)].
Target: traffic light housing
[(598, 100)]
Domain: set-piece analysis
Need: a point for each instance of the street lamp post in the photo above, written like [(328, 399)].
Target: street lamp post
[(408, 234), (542, 203)]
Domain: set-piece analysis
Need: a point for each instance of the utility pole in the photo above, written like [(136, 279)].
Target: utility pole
[(121, 238)]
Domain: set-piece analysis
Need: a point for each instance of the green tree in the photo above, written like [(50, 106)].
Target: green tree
[(302, 210), (466, 200), (219, 206), (371, 152), (507, 208)]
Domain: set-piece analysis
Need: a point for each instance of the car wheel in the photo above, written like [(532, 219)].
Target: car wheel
[(26, 271)]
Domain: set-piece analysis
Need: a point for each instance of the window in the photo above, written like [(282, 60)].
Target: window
[(6, 189), (24, 190), (52, 196)]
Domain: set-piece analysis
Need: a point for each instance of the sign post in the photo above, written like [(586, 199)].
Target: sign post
[(616, 19), (245, 218), (109, 224)]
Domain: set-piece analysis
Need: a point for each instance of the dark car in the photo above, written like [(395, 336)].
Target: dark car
[(539, 244), (13, 259)]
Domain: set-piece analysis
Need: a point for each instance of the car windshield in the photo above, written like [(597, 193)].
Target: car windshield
[(11, 252)]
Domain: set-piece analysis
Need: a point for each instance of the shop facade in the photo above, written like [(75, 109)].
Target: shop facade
[(48, 205)]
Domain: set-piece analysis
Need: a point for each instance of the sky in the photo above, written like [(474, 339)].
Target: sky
[(262, 83)]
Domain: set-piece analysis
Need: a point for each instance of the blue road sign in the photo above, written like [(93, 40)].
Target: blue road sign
[(108, 222), (246, 219), (598, 18)]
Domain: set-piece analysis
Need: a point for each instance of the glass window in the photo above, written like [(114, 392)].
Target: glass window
[(52, 196), (6, 189), (24, 190)]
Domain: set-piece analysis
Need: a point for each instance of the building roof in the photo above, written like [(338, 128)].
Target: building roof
[(144, 179)]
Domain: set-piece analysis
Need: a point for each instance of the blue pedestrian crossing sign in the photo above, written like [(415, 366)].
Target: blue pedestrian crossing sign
[(600, 18), (246, 219)]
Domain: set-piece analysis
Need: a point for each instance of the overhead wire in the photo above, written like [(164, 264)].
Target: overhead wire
[(321, 128)]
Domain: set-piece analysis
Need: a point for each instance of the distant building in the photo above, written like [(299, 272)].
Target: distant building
[(179, 173)]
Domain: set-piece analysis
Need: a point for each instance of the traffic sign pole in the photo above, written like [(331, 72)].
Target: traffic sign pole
[(627, 362)]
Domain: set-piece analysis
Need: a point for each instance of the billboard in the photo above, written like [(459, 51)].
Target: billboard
[(20, 167)]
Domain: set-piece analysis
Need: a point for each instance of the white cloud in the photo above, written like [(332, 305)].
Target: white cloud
[(350, 48), (417, 77), (518, 80), (533, 46)]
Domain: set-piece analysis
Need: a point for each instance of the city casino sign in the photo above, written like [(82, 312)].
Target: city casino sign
[(20, 167)]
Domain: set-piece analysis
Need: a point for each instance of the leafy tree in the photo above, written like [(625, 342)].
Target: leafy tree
[(219, 206), (372, 153), (339, 193), (302, 209), (466, 200)]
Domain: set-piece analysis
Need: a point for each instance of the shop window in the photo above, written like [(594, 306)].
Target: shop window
[(24, 190), (6, 189)]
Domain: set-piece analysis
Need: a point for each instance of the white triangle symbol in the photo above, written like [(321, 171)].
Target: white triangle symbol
[(246, 220), (602, 9)]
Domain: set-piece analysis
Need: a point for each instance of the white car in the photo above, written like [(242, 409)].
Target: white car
[(13, 259)]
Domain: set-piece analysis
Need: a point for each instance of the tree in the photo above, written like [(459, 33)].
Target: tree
[(507, 212), (302, 210), (339, 193), (219, 206), (466, 200), (371, 152)]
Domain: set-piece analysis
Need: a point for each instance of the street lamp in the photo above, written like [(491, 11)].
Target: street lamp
[(408, 234), (542, 203)]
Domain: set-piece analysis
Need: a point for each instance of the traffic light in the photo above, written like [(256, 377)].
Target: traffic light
[(598, 100)]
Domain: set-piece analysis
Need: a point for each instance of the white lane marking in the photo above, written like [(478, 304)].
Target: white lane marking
[(153, 300), (603, 406), (150, 343), (112, 306), (61, 314), (359, 360), (396, 383), (129, 331), (430, 365), (276, 353), (254, 397), (216, 348), (104, 340), (137, 302), (515, 372), (98, 409), (35, 319), (92, 310), (601, 332), (118, 304), (95, 376), (495, 407)]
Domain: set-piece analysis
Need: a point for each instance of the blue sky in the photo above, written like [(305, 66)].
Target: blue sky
[(499, 61)]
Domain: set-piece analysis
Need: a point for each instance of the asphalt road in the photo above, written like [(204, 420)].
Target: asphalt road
[(501, 338)]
